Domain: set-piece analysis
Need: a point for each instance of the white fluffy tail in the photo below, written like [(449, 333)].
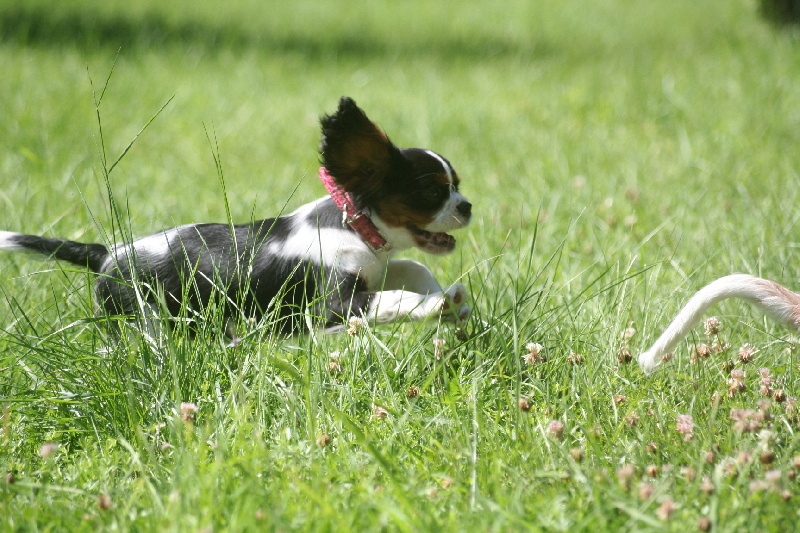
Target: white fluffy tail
[(776, 301)]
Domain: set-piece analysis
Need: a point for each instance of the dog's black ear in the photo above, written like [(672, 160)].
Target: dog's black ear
[(355, 151)]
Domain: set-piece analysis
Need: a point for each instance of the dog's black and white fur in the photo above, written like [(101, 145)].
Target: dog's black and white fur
[(307, 261)]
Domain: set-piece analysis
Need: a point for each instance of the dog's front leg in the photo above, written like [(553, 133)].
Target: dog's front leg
[(404, 274), (388, 306), (411, 292)]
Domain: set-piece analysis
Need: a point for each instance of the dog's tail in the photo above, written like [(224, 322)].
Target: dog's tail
[(92, 256), (776, 301)]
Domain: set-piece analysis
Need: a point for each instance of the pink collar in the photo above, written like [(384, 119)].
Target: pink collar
[(358, 220)]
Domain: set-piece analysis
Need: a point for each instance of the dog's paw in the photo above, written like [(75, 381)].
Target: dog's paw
[(463, 314), (455, 303), (456, 295), (448, 305), (647, 362)]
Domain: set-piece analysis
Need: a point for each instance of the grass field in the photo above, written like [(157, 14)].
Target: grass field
[(619, 155)]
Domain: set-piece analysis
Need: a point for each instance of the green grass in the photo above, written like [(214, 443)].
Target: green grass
[(619, 154)]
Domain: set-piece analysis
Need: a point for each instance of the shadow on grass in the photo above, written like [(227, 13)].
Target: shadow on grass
[(52, 27)]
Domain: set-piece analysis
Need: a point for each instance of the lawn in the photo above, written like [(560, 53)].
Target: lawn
[(619, 155)]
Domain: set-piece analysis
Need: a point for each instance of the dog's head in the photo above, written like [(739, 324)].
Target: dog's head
[(409, 189)]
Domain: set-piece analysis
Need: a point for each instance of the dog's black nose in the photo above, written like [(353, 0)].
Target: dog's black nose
[(464, 209)]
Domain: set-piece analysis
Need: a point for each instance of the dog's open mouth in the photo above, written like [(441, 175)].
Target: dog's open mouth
[(433, 242)]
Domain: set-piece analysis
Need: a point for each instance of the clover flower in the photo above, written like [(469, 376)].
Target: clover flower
[(380, 412), (533, 356), (743, 457), (685, 426), (354, 325), (707, 486), (767, 457), (188, 410), (104, 502), (746, 353), (736, 382), (666, 509), (625, 475), (765, 383), (791, 408), (556, 429), (575, 359), (628, 334), (48, 449), (713, 326), (701, 351), (745, 420), (646, 491), (524, 404), (773, 477), (577, 454), (335, 363)]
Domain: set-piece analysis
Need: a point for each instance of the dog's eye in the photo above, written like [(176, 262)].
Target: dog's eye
[(432, 194)]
